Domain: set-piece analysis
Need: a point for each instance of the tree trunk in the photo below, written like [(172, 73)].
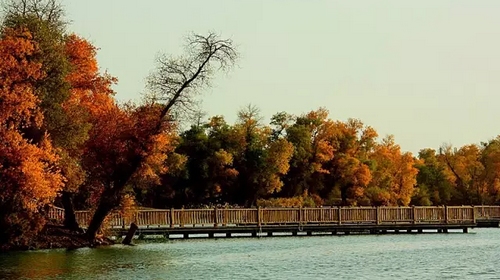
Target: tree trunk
[(343, 195), (95, 224), (110, 199), (69, 212)]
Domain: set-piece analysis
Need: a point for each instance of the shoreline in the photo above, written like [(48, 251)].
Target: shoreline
[(55, 236)]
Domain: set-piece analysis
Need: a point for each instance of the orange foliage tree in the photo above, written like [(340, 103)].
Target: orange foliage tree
[(349, 171), (27, 170), (89, 94), (120, 135)]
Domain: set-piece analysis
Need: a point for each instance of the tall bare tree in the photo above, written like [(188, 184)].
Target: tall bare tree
[(174, 84)]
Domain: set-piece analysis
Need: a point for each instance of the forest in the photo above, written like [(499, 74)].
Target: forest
[(67, 141)]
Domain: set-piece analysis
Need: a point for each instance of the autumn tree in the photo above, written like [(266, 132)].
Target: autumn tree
[(173, 86), (64, 121), (393, 176), (261, 160), (28, 173), (490, 183), (311, 136), (44, 20), (90, 96), (349, 171), (473, 170)]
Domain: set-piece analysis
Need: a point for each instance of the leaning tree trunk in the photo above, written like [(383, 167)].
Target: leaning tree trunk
[(196, 68), (69, 212), (95, 224), (110, 199)]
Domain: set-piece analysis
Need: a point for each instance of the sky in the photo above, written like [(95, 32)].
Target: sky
[(426, 72)]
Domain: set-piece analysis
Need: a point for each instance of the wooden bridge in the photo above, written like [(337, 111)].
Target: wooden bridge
[(230, 222)]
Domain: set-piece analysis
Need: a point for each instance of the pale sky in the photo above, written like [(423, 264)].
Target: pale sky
[(425, 71)]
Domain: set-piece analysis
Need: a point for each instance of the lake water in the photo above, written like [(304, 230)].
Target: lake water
[(419, 256)]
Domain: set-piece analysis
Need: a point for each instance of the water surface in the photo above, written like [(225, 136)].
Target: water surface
[(423, 256)]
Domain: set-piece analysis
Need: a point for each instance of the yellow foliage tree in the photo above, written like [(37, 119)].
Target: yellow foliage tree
[(395, 173)]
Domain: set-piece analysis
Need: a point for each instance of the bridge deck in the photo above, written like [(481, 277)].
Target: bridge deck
[(308, 229)]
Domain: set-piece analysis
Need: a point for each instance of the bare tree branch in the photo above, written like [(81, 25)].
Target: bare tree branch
[(177, 81), (51, 11)]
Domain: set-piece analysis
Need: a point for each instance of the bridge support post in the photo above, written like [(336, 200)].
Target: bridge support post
[(130, 234), (211, 235), (254, 233), (466, 230)]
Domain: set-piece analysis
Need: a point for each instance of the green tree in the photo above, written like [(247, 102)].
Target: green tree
[(311, 136), (433, 186)]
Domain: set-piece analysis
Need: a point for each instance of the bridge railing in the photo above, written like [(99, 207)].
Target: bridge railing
[(56, 213), (487, 212), (457, 214), (283, 216)]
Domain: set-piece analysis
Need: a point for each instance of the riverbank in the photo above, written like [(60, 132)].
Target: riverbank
[(55, 236)]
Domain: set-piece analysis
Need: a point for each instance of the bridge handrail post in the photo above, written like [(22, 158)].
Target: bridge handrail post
[(415, 216), (301, 218), (340, 214), (259, 216), (446, 214), (216, 218), (172, 217), (473, 216), (377, 214)]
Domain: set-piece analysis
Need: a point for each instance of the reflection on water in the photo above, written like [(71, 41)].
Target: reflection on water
[(429, 256)]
